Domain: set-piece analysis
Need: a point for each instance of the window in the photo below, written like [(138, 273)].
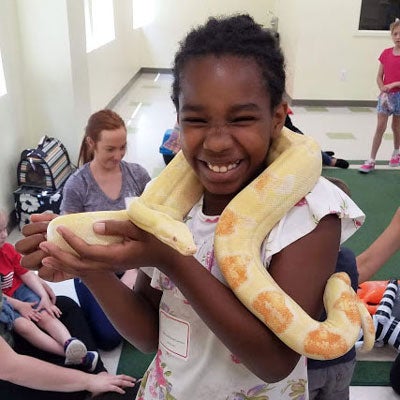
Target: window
[(377, 15), (143, 12), (3, 87), (99, 23)]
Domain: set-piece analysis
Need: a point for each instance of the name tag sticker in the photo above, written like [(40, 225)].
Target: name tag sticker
[(174, 335)]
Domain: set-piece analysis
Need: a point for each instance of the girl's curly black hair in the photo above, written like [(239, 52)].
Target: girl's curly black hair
[(240, 36)]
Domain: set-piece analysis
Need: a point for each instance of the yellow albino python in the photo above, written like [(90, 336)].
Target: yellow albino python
[(242, 227)]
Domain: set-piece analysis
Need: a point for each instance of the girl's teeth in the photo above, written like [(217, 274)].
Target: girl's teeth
[(223, 168)]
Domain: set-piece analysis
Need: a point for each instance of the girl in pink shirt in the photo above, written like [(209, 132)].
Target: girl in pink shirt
[(388, 80)]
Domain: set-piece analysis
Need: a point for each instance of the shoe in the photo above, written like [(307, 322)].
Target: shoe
[(340, 163), (367, 167), (89, 362), (330, 153), (75, 351), (394, 161)]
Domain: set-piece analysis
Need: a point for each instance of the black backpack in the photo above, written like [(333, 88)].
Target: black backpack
[(41, 174), (47, 166)]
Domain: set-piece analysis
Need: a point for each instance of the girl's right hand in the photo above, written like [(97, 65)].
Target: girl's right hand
[(105, 382), (35, 232)]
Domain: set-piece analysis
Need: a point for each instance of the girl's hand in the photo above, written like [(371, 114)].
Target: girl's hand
[(138, 249), (34, 233), (104, 382)]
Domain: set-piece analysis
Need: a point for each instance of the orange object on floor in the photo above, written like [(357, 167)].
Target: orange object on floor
[(371, 293)]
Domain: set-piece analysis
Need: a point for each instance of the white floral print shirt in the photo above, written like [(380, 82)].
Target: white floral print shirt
[(191, 362)]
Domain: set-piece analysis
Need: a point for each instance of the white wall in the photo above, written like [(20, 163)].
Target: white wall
[(321, 40), (174, 18), (12, 110), (111, 66), (47, 69)]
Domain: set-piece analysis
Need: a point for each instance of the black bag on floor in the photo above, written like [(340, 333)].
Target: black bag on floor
[(41, 175), (30, 200), (46, 166)]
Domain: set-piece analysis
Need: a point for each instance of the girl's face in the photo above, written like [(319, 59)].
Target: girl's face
[(226, 121), (110, 149), (3, 229), (396, 36)]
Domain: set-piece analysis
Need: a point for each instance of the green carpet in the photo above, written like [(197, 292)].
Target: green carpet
[(371, 373), (132, 362), (378, 195)]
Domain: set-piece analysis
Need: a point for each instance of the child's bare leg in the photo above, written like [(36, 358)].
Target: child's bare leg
[(29, 331), (380, 130), (396, 130), (73, 348), (54, 327)]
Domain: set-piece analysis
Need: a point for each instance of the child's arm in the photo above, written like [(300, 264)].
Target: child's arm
[(24, 308), (261, 351), (379, 78), (393, 85), (49, 291), (380, 251), (36, 374), (32, 280)]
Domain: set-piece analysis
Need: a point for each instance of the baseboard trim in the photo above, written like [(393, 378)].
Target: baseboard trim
[(131, 81), (293, 102), (333, 103), (155, 70)]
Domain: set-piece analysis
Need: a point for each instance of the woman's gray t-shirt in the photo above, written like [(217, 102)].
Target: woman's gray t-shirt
[(81, 192)]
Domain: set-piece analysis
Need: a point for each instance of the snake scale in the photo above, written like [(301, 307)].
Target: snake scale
[(241, 229)]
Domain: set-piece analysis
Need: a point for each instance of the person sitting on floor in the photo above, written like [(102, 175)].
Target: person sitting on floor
[(28, 310), (27, 372)]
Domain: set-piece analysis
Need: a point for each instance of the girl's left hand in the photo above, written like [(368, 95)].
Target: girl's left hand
[(138, 249)]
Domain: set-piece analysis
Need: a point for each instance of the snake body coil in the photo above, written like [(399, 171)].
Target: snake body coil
[(294, 166)]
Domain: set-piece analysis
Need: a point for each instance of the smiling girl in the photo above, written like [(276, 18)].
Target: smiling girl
[(228, 83)]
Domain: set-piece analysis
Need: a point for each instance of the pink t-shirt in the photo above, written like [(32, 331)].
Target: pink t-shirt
[(391, 67)]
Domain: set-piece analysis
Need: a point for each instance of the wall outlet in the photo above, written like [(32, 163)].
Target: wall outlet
[(343, 74)]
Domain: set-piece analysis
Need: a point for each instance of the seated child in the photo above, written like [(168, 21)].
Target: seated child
[(29, 310)]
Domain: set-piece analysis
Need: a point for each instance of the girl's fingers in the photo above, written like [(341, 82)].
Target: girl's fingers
[(37, 227), (69, 263), (30, 243), (33, 261), (43, 217), (117, 228), (52, 275), (105, 254)]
